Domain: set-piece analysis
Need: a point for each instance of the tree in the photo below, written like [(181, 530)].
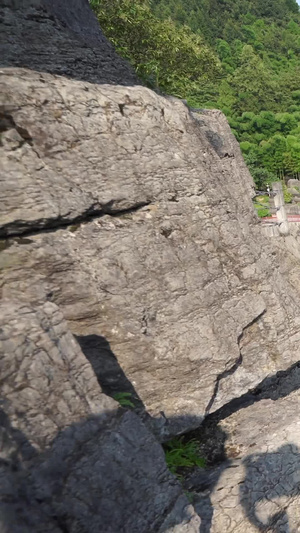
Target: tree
[(174, 45), (170, 58), (252, 84)]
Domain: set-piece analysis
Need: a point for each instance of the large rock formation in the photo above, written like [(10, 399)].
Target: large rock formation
[(59, 37), (71, 459), (133, 214), (167, 262)]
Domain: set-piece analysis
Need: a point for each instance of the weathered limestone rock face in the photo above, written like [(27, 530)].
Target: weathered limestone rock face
[(257, 487), (71, 459), (56, 36), (172, 270), (126, 221), (168, 265)]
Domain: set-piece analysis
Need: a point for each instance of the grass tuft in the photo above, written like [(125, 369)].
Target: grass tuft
[(124, 399), (181, 453)]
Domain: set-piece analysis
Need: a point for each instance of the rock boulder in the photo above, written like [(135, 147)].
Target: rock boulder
[(152, 242), (131, 261)]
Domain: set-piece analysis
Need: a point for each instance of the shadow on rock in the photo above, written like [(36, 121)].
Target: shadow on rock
[(273, 387), (211, 439), (271, 481), (113, 381), (264, 484), (106, 473), (267, 493), (110, 375), (69, 36)]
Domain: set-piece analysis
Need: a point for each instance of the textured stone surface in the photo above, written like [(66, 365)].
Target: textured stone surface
[(60, 37), (45, 378), (133, 214), (258, 488), (71, 459), (293, 183), (172, 271)]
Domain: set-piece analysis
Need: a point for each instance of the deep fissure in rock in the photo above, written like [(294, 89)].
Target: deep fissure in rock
[(212, 438), (235, 366), (90, 214)]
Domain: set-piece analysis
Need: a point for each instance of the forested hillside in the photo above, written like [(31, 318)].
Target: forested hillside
[(241, 56)]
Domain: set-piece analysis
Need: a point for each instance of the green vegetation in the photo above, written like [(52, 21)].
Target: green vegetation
[(124, 399), (190, 496), (182, 453), (262, 211), (167, 57), (262, 206), (240, 56), (287, 195)]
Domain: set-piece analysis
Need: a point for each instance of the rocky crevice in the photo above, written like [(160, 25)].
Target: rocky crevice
[(274, 387), (252, 451), (94, 212), (221, 376), (235, 366)]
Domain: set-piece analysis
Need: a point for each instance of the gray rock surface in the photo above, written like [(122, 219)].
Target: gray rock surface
[(169, 265), (293, 183), (133, 214), (60, 37), (258, 487), (71, 459)]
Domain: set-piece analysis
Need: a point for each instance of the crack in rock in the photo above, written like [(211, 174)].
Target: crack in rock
[(221, 376), (280, 385), (235, 366), (93, 212)]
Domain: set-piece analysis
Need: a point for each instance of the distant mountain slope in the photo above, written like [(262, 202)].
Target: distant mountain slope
[(219, 19), (239, 56), (258, 44)]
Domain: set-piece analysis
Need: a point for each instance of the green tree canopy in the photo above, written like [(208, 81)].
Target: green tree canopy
[(166, 56), (241, 56)]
